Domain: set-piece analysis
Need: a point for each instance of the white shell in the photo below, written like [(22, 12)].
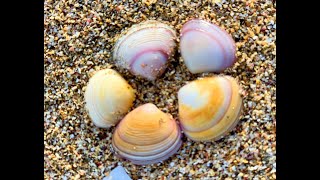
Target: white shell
[(145, 49), (108, 98)]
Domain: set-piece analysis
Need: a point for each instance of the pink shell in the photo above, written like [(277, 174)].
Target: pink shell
[(145, 49), (205, 47)]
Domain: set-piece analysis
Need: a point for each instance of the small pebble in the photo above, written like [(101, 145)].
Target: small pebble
[(117, 173)]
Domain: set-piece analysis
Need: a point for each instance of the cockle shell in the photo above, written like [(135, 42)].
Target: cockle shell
[(205, 47), (108, 98), (147, 135), (145, 49), (209, 107)]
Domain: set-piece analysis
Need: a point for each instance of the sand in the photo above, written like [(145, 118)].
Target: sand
[(79, 37)]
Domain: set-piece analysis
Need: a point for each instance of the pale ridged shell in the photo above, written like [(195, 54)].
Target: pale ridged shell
[(146, 136), (205, 47), (209, 107), (145, 49), (108, 98)]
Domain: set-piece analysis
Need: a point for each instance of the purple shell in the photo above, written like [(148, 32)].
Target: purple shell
[(205, 47), (145, 49)]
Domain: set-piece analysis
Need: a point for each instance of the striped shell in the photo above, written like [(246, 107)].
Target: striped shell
[(147, 135), (108, 98), (209, 107), (205, 47), (145, 49)]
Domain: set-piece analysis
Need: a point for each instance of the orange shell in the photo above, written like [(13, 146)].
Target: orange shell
[(209, 107), (147, 135)]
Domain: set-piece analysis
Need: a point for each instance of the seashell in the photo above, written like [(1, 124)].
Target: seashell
[(205, 47), (209, 107), (146, 135), (108, 98), (118, 173), (145, 49)]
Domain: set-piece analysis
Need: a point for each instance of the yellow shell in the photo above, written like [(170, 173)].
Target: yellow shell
[(146, 135), (108, 98), (209, 107)]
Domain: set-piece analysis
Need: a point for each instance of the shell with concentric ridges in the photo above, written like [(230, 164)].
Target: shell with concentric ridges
[(146, 136), (209, 107), (205, 47), (145, 48), (108, 98)]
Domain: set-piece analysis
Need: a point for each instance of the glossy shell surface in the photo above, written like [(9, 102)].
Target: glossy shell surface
[(146, 136), (209, 107), (108, 98), (144, 49), (205, 47)]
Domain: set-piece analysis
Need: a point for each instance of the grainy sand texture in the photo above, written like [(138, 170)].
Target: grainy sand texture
[(78, 39)]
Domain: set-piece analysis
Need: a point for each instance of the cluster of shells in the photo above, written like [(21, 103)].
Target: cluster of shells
[(208, 107)]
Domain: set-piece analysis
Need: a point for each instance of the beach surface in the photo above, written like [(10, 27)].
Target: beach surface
[(78, 40)]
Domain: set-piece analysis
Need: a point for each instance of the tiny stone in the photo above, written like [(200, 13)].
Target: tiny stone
[(117, 173)]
